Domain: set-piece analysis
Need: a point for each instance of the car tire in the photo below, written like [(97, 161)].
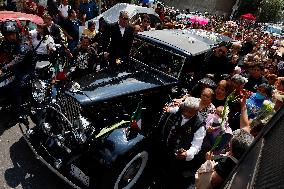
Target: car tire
[(141, 160)]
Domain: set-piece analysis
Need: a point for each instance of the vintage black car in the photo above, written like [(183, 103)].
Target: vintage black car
[(99, 131)]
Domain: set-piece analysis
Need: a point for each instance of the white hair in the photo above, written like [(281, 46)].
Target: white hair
[(190, 103), (240, 79)]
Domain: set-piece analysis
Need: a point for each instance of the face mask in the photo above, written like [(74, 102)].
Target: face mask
[(259, 96)]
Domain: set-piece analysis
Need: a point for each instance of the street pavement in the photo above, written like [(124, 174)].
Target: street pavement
[(18, 167)]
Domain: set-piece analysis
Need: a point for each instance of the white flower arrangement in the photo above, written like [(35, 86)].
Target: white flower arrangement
[(264, 114), (225, 117)]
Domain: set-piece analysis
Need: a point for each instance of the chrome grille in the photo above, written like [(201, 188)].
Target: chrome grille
[(69, 107)]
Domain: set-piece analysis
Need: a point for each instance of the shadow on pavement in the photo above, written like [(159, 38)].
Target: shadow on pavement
[(28, 171), (7, 120)]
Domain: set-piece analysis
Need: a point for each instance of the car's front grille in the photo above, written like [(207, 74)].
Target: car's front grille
[(69, 107)]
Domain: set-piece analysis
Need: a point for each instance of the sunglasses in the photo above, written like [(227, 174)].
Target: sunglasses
[(124, 18)]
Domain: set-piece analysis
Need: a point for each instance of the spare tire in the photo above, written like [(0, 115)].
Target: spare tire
[(131, 171)]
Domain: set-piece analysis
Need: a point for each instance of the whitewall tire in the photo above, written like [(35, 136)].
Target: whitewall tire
[(140, 158)]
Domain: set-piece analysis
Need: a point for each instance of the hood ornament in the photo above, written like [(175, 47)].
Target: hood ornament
[(75, 87)]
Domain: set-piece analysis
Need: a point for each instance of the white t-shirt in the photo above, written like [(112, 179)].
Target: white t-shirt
[(42, 3), (47, 43), (64, 10)]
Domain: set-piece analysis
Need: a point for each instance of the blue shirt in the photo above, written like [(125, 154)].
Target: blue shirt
[(254, 105), (89, 9)]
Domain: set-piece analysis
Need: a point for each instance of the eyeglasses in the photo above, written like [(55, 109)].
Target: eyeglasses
[(145, 20)]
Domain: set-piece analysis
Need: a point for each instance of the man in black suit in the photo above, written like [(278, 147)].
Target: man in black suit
[(121, 38)]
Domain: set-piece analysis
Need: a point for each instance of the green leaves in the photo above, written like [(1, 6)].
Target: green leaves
[(217, 142), (265, 14), (232, 97), (111, 128)]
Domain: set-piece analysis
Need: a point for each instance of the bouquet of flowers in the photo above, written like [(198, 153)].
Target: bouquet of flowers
[(224, 117), (264, 114)]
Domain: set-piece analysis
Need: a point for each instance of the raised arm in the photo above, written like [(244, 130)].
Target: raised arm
[(244, 120)]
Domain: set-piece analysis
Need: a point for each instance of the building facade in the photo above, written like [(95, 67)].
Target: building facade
[(219, 7)]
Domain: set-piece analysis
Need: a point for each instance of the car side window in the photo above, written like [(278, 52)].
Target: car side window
[(157, 58)]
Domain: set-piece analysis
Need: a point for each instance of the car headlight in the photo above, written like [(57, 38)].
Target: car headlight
[(46, 127), (75, 87), (39, 90)]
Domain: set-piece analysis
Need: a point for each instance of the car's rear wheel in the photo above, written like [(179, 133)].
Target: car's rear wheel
[(132, 171)]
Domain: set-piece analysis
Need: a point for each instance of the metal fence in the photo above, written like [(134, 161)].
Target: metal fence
[(263, 165)]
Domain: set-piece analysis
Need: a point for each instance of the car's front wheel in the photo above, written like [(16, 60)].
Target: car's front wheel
[(132, 171)]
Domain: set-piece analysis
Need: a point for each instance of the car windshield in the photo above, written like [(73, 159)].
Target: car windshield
[(157, 58)]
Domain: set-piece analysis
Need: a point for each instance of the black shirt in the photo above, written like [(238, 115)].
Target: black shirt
[(217, 65), (52, 7), (225, 166), (217, 102), (252, 83), (72, 28), (55, 33)]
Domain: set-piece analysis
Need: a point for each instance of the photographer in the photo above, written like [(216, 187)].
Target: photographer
[(18, 62)]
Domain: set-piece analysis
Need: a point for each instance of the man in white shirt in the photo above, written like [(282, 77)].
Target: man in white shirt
[(184, 141), (63, 11)]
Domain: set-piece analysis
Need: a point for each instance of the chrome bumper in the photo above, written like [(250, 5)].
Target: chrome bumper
[(25, 135)]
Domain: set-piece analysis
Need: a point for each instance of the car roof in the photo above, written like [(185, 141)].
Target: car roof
[(189, 41), (10, 15)]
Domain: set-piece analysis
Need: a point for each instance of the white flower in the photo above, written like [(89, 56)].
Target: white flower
[(225, 117), (266, 102), (213, 37), (245, 79)]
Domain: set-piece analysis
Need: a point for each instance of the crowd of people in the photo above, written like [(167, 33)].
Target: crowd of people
[(238, 86)]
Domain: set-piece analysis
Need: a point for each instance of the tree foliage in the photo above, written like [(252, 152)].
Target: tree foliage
[(248, 6), (270, 10), (266, 10)]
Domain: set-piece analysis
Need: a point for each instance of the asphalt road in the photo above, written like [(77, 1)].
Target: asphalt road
[(18, 167)]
